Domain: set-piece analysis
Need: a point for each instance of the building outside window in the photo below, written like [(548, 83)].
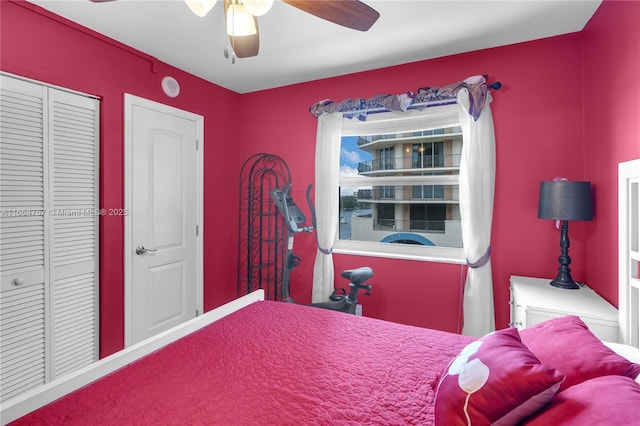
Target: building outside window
[(412, 212)]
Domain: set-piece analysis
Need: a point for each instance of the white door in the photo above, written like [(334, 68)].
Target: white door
[(163, 214)]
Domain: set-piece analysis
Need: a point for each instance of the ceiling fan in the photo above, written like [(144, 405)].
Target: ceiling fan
[(242, 22)]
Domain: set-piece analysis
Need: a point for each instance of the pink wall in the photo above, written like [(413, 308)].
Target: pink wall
[(540, 131), (611, 127), (55, 51), (538, 137)]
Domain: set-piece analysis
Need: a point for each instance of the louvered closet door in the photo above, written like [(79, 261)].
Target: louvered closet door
[(48, 234), (73, 176), (23, 236)]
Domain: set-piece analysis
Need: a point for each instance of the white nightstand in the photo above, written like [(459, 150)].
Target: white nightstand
[(534, 300)]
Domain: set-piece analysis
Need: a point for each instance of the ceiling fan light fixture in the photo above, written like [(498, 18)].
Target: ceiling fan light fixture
[(258, 7), (200, 7), (239, 21)]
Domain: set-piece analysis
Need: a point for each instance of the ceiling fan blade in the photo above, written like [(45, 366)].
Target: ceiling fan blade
[(348, 13), (244, 46)]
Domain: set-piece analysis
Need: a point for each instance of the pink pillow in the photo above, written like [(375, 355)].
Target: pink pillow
[(567, 345), (494, 379), (605, 400)]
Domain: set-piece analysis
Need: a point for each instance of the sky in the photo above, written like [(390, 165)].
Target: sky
[(350, 156)]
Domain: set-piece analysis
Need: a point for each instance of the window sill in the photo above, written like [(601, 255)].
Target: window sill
[(400, 251)]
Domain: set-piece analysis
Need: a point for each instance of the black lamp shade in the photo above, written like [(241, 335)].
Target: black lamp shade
[(565, 200)]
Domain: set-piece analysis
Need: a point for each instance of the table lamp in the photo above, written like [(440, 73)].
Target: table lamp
[(565, 200)]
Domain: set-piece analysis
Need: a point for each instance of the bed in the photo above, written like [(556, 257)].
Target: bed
[(277, 363), (272, 363), (262, 362)]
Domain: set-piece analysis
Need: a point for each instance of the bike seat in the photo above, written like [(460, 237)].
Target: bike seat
[(359, 275)]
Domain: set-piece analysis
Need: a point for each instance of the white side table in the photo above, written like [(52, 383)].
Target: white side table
[(534, 300)]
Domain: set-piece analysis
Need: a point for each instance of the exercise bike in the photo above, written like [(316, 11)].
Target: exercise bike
[(294, 219)]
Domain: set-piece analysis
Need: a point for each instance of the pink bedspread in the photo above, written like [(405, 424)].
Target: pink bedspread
[(272, 363)]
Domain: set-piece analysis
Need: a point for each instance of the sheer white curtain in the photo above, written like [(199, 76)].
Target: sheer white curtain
[(328, 139), (477, 186)]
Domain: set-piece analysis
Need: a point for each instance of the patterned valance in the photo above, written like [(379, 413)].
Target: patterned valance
[(426, 96)]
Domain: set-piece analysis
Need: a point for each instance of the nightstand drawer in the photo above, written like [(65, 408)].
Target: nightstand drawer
[(603, 329)]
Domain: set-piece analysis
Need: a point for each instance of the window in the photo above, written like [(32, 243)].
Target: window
[(385, 217), (427, 155), (399, 187), (385, 158), (428, 217)]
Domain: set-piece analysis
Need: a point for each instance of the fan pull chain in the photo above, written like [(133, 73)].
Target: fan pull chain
[(226, 44), (231, 54), (228, 53)]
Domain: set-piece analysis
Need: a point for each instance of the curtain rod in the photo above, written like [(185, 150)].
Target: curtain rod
[(425, 97), (418, 106), (421, 105)]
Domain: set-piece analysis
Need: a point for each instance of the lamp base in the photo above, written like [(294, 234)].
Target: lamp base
[(567, 285), (563, 279)]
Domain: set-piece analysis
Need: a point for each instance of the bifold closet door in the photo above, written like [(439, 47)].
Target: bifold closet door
[(23, 236), (74, 214), (48, 233)]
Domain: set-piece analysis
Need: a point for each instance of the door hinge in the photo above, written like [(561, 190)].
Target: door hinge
[(197, 144), (197, 230), (197, 312)]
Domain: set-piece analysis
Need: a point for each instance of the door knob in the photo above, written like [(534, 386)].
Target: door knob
[(140, 250)]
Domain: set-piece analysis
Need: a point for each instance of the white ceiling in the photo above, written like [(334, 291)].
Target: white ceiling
[(297, 47)]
